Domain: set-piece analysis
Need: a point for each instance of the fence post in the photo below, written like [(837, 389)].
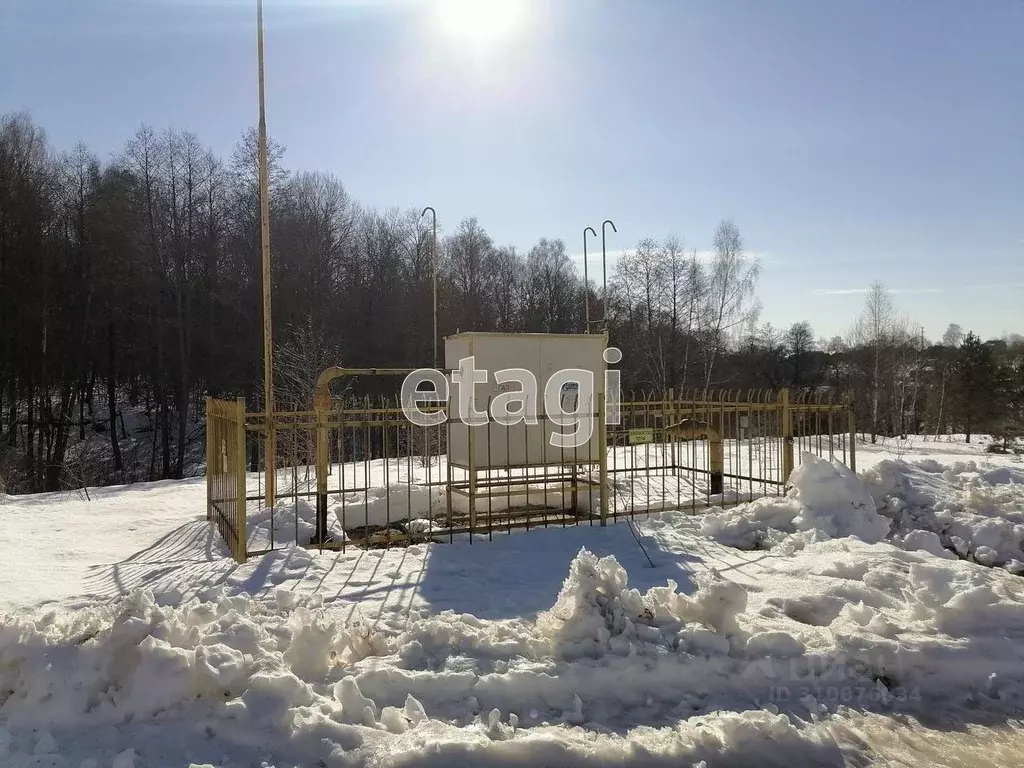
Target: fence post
[(241, 535), (853, 435), (602, 449), (716, 461), (270, 462), (322, 461), (670, 421), (787, 435), (209, 458), (471, 451)]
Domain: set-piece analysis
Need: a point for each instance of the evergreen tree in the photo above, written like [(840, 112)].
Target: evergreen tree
[(978, 380)]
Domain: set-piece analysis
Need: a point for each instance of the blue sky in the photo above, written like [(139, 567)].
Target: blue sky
[(850, 140)]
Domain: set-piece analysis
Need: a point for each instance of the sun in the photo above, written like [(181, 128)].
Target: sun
[(480, 22)]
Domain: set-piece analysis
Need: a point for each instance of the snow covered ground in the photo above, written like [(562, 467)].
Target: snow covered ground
[(862, 620)]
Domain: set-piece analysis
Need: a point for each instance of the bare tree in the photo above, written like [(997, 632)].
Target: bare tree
[(799, 342), (467, 251), (878, 331), (553, 288), (953, 336), (731, 282)]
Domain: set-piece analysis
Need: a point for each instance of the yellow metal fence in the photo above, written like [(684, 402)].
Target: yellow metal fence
[(225, 472), (358, 473)]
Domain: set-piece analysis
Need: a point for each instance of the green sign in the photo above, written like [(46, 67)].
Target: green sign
[(637, 436)]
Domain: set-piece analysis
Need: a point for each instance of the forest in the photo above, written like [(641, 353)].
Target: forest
[(131, 289)]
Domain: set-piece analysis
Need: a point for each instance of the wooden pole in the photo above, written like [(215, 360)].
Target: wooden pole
[(270, 457)]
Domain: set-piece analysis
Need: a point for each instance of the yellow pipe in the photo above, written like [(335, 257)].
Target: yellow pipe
[(691, 429), (322, 409)]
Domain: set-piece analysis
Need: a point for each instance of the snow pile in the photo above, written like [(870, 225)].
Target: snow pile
[(384, 505), (138, 659), (597, 613), (652, 676), (239, 663), (872, 625), (143, 684), (826, 501), (553, 495), (293, 521), (429, 656), (964, 510)]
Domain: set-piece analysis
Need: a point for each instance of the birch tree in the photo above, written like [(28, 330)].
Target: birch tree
[(731, 302)]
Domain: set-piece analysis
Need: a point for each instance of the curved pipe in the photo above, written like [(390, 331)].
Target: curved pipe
[(322, 392), (604, 270), (586, 279), (322, 407), (433, 260)]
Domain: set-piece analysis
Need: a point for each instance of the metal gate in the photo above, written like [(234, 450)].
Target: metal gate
[(225, 472)]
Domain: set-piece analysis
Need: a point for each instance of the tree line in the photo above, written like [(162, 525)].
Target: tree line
[(903, 383), (132, 288)]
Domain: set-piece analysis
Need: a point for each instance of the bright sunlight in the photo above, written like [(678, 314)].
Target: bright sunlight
[(480, 22)]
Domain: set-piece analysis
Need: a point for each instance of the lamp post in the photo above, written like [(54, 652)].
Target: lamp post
[(586, 279), (433, 215), (268, 337), (604, 269)]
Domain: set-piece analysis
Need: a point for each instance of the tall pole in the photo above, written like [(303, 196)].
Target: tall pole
[(270, 458), (604, 270), (586, 280), (433, 214)]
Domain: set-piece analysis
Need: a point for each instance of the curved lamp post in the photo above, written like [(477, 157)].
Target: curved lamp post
[(586, 280), (604, 269), (433, 215)]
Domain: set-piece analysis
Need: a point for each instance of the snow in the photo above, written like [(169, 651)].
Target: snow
[(854, 619), (964, 509), (825, 501), (389, 504)]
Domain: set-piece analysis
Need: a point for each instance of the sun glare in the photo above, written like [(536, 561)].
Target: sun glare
[(480, 21)]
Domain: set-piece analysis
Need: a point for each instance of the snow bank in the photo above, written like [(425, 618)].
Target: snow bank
[(609, 674), (293, 521), (400, 503), (553, 495), (142, 684), (615, 671), (596, 612), (381, 506), (226, 659), (826, 500), (964, 510)]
